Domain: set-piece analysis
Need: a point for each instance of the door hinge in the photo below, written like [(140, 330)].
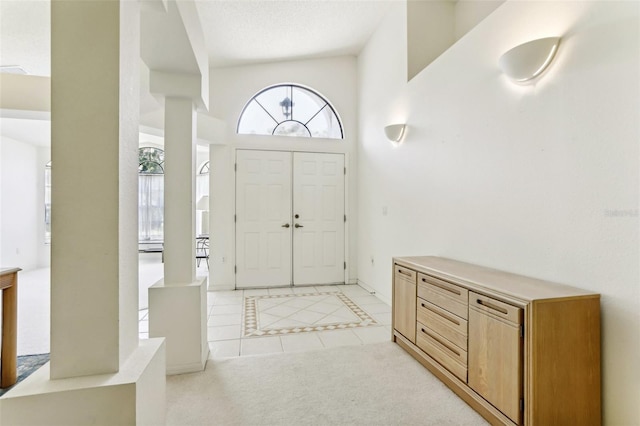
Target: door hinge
[(345, 266), (345, 171), (522, 404), (235, 167), (522, 330), (235, 218), (345, 217), (235, 269)]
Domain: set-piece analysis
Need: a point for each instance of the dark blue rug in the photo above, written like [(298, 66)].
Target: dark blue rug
[(27, 364)]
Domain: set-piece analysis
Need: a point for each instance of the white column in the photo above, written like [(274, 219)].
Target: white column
[(95, 109), (179, 191), (178, 303), (99, 373)]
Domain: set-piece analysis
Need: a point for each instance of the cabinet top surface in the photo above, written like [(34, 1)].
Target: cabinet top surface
[(474, 276), (7, 271)]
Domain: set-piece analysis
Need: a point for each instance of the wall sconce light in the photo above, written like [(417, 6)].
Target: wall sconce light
[(395, 132), (527, 61)]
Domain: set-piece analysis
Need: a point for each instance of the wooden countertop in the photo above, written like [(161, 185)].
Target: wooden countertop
[(5, 271), (6, 277), (518, 286)]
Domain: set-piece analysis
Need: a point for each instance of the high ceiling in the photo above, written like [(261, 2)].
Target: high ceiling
[(25, 35), (236, 31), (250, 31)]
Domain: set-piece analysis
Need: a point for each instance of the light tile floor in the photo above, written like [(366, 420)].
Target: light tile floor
[(225, 315), (286, 313)]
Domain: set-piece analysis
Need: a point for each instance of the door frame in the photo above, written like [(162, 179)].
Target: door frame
[(347, 195)]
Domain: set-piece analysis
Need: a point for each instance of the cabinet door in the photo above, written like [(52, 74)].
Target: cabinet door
[(495, 354), (404, 302)]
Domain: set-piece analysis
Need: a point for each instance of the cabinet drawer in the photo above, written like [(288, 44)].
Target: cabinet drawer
[(449, 326), (401, 272), (445, 295), (448, 355), (496, 308)]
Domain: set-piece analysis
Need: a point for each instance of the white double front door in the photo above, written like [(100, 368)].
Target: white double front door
[(289, 218)]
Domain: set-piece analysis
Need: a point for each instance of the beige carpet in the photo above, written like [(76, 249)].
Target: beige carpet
[(377, 384)]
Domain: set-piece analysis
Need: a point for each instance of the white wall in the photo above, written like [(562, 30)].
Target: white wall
[(540, 180), (22, 205), (430, 31), (469, 13), (231, 88)]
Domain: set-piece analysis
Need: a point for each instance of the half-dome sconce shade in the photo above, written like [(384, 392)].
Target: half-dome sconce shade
[(527, 61), (395, 132)]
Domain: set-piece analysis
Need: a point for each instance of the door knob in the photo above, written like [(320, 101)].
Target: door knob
[(297, 225), (286, 225)]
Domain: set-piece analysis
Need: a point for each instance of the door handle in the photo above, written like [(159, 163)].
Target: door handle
[(286, 225), (297, 225)]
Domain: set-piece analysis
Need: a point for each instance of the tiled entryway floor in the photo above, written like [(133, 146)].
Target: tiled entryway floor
[(251, 322)]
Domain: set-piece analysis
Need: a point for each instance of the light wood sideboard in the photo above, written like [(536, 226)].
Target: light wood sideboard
[(8, 351), (520, 351)]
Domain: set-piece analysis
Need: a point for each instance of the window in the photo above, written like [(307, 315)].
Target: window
[(150, 161), (202, 181), (202, 190), (290, 110), (150, 194), (204, 169), (47, 203)]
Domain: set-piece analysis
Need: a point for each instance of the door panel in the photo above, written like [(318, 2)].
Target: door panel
[(495, 357), (318, 201), (263, 206)]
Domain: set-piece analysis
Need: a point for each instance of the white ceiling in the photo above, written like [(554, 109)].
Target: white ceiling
[(25, 35), (250, 31), (236, 32)]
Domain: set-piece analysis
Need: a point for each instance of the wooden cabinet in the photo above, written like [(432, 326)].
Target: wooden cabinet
[(520, 351), (495, 345), (404, 302)]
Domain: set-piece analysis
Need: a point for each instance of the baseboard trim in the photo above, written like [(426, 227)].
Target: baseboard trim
[(220, 287), (194, 367)]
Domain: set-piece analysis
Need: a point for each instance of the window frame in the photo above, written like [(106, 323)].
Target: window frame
[(291, 86)]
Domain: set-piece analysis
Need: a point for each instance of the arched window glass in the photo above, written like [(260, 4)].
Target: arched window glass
[(150, 194), (290, 110), (150, 161), (202, 181), (204, 169)]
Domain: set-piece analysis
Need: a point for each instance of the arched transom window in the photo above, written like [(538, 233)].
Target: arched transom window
[(150, 161), (290, 110)]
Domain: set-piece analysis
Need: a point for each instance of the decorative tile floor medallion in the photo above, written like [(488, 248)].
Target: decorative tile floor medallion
[(281, 314)]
